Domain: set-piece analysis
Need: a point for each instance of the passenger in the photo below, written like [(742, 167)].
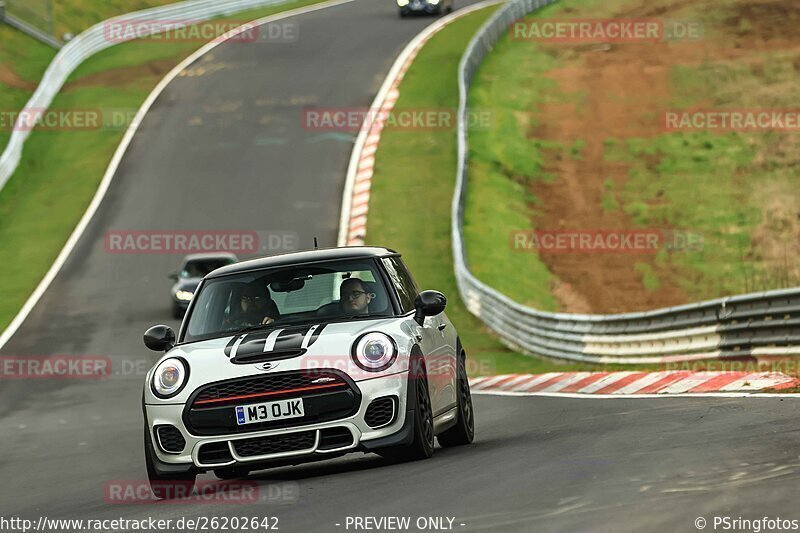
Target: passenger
[(354, 297)]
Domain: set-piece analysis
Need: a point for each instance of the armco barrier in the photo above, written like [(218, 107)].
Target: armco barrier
[(750, 325), (94, 40)]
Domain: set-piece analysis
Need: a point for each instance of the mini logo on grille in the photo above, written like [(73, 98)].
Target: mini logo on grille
[(322, 380), (267, 366)]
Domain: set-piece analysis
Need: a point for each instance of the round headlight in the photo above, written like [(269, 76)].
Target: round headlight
[(169, 378), (374, 352), (184, 296)]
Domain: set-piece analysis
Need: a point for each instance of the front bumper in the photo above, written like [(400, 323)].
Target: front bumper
[(311, 441)]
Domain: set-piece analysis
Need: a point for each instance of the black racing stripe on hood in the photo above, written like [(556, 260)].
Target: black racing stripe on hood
[(230, 344), (316, 335), (291, 338)]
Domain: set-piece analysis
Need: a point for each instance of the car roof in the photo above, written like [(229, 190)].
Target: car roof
[(210, 255), (308, 256)]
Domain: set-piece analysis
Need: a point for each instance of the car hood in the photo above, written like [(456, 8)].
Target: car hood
[(281, 349)]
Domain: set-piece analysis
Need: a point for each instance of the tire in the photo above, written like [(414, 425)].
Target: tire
[(177, 312), (231, 473), (449, 8), (172, 486), (402, 13), (464, 430), (422, 446)]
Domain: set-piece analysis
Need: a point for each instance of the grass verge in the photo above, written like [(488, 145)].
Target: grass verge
[(23, 61), (592, 115)]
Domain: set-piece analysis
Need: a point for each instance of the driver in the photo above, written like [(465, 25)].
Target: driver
[(354, 297), (257, 307)]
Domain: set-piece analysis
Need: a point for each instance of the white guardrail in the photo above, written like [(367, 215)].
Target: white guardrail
[(96, 39), (758, 324)]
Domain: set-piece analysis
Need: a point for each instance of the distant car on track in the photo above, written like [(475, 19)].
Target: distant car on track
[(429, 7), (193, 269), (300, 357)]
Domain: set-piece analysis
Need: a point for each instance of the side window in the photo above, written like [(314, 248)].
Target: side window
[(401, 278)]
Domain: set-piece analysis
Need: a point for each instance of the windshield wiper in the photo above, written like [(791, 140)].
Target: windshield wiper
[(353, 317)]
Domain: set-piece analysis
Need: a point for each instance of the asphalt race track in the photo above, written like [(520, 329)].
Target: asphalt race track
[(207, 158)]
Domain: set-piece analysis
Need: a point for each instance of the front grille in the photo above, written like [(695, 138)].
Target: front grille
[(327, 395), (170, 439), (215, 453), (380, 412), (291, 442), (268, 387)]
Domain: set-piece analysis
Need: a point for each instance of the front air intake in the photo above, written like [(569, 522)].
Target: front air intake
[(381, 412), (170, 439)]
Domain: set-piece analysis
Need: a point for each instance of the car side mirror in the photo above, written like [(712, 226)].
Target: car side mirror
[(159, 338), (174, 276), (428, 303)]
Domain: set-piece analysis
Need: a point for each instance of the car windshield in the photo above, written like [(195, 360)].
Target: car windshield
[(199, 268), (321, 292)]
